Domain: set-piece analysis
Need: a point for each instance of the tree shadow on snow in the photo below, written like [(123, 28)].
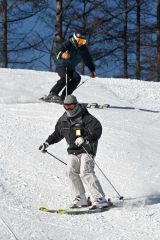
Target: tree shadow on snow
[(133, 108)]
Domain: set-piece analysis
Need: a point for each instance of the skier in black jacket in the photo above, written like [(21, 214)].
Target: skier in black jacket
[(82, 132), (69, 55)]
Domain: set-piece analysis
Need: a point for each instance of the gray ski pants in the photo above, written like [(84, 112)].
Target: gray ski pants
[(81, 168)]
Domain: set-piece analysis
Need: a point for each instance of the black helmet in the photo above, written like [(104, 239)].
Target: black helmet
[(79, 35), (79, 38)]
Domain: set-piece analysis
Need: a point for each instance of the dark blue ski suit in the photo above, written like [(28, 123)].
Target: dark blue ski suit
[(63, 67)]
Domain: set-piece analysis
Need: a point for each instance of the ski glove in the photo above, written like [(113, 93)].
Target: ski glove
[(65, 55), (79, 141), (43, 147)]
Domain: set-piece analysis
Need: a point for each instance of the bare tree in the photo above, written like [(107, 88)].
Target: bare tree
[(57, 38), (4, 34), (158, 40), (126, 38), (60, 28), (147, 48), (18, 39), (138, 40), (58, 24), (96, 21), (123, 36)]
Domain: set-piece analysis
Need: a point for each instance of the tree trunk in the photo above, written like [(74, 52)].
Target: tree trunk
[(84, 27), (126, 39), (58, 26), (158, 40), (4, 35), (138, 41)]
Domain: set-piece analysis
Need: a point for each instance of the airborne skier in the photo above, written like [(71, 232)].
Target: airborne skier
[(82, 132)]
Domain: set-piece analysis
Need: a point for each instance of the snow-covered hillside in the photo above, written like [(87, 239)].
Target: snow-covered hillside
[(128, 153)]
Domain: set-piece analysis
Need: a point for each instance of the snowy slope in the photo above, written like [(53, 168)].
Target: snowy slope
[(128, 153)]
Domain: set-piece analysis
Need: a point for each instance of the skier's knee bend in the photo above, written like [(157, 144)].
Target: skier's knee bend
[(86, 176), (78, 81), (77, 77), (62, 79), (72, 174)]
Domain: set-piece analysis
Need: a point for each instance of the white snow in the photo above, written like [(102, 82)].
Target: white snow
[(128, 153)]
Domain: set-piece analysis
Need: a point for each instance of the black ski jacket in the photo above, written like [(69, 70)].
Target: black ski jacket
[(84, 125), (77, 54)]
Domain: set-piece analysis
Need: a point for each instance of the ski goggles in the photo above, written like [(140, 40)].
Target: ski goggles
[(69, 106), (81, 41)]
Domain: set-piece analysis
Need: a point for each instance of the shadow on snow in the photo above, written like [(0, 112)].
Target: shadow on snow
[(133, 108), (142, 201)]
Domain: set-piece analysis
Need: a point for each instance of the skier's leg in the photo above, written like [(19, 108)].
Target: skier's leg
[(73, 173), (73, 83), (73, 80), (89, 177), (60, 83)]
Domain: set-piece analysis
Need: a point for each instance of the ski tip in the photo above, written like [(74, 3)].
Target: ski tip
[(43, 209), (58, 211)]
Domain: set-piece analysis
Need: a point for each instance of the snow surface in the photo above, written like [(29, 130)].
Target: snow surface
[(128, 153)]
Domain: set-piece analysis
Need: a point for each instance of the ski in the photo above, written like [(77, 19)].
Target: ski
[(76, 211), (95, 105), (87, 105), (50, 101)]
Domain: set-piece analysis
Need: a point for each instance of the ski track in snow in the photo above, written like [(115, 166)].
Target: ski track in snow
[(128, 153)]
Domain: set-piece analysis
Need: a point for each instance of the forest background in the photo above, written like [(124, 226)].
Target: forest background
[(123, 35)]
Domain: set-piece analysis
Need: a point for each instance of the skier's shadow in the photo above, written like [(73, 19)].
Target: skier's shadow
[(143, 201), (152, 199), (132, 108)]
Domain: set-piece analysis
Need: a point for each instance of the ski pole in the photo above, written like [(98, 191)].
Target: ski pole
[(66, 83), (120, 197), (56, 157), (82, 83)]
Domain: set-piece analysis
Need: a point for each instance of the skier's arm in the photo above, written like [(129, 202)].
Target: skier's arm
[(57, 135), (62, 50), (87, 59), (93, 129)]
